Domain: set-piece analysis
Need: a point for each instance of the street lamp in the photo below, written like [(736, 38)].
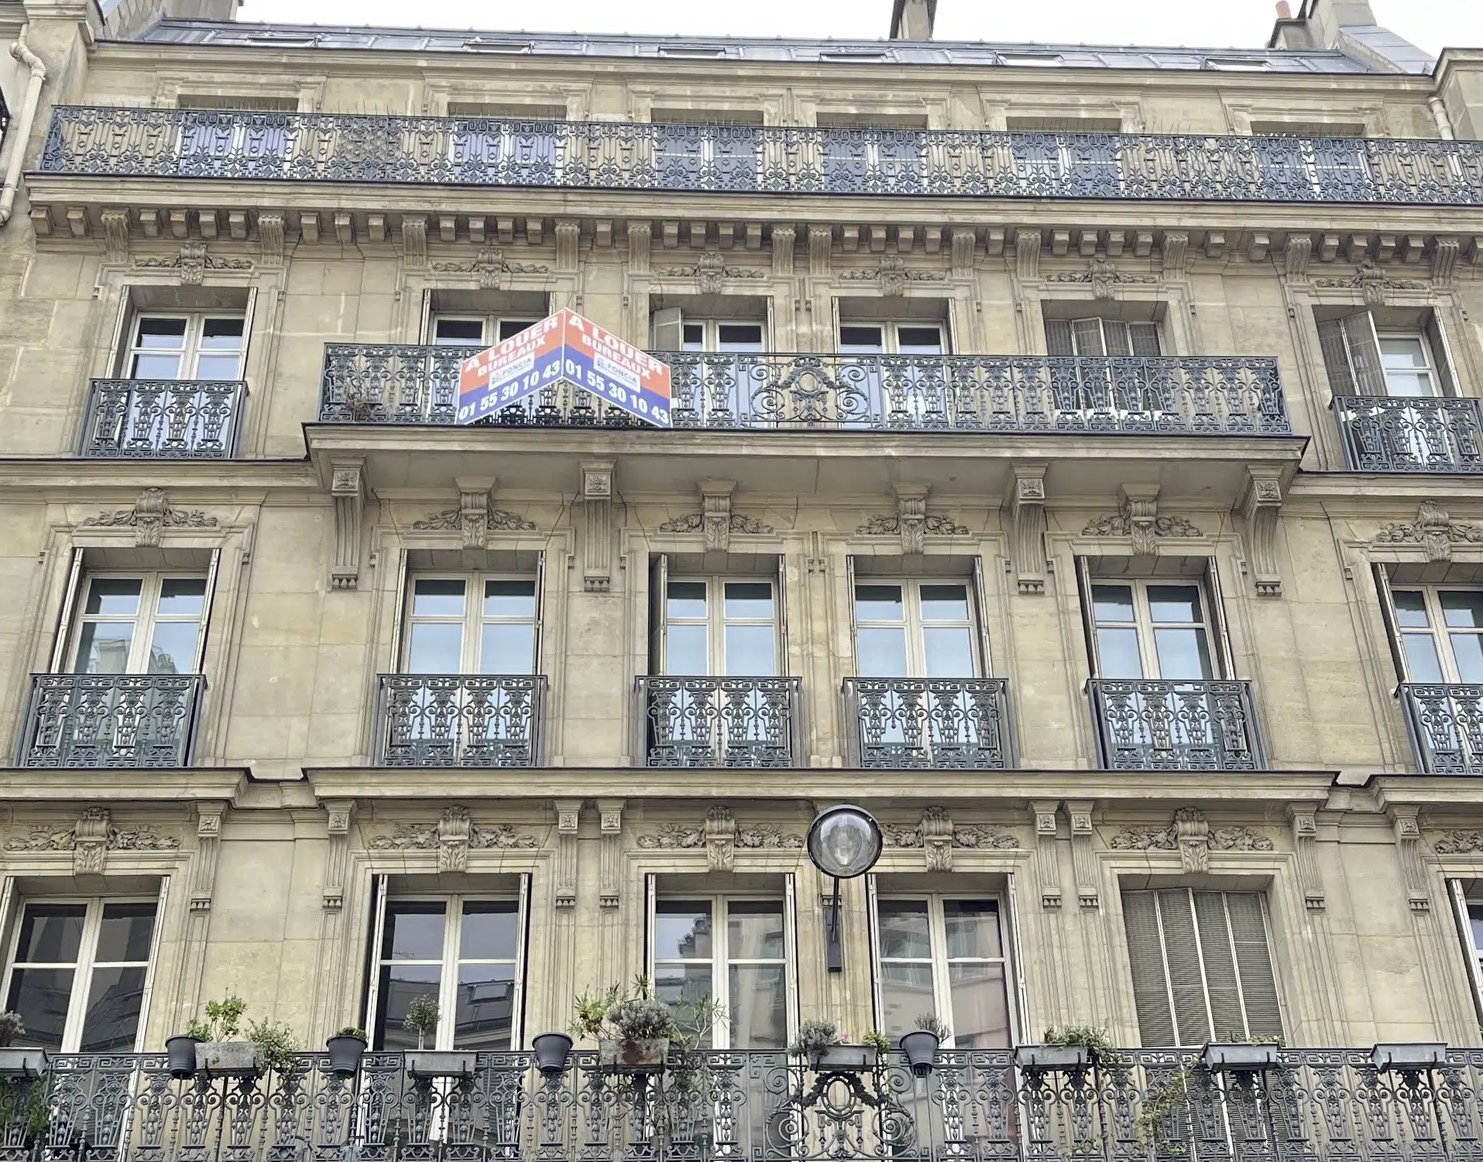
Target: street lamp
[(843, 842)]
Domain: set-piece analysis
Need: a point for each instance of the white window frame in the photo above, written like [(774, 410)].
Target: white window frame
[(940, 961), (144, 621), (490, 327), (915, 624), (449, 962), (473, 620), (716, 621), (1128, 324), (710, 343), (720, 960), (891, 334), (190, 349), (1437, 628), (1421, 338), (82, 968), (1144, 625)]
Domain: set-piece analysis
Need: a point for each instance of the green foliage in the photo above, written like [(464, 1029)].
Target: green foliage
[(352, 1031), (591, 1013), (222, 1022), (422, 1016), (1094, 1040), (637, 1015), (277, 1049), (814, 1036), (11, 1027), (930, 1023), (1160, 1103), (876, 1040), (23, 1105)]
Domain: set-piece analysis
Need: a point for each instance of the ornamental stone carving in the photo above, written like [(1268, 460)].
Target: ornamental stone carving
[(721, 837), (912, 523), (1433, 529), (1458, 842), (711, 272), (715, 518), (1139, 520), (90, 839), (150, 516), (1191, 835), (453, 836), (893, 275), (192, 263), (1104, 278), (1372, 282), (490, 267), (936, 836)]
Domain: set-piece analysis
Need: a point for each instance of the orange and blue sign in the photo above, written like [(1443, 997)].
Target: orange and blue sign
[(564, 348)]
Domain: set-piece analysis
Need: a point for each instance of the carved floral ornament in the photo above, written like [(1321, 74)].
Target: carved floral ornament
[(1139, 520), (1192, 836), (1433, 529), (1372, 282), (711, 272), (453, 836), (937, 837), (192, 263), (911, 522), (491, 268), (150, 516), (719, 836), (90, 839), (715, 520), (1458, 843), (1104, 278), (893, 275)]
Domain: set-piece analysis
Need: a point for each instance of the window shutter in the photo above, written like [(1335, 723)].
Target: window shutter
[(668, 326), (247, 317), (1058, 338), (1225, 661), (425, 323), (1021, 1014), (1387, 614), (1182, 961), (517, 997), (208, 603), (1145, 340), (1464, 934), (119, 363), (1217, 953), (404, 611), (373, 962), (1115, 331), (873, 934), (535, 661), (658, 623), (980, 596), (1364, 353), (1441, 354), (849, 569), (834, 313), (790, 951), (154, 957), (1248, 915), (1146, 959), (1088, 612), (770, 339), (67, 613), (784, 666), (1086, 334), (651, 882), (1336, 357)]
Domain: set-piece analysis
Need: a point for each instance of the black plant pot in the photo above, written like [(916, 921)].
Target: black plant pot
[(551, 1051), (920, 1047), (345, 1053), (182, 1051)]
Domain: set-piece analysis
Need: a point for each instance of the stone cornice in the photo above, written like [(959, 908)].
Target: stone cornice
[(111, 785), (207, 481)]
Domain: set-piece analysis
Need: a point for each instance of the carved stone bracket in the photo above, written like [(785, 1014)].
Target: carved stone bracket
[(1140, 521), (1176, 244), (640, 241), (453, 836), (1104, 278), (192, 263), (1372, 282), (597, 507), (150, 516), (270, 234), (610, 863), (937, 837), (1446, 843), (784, 239), (90, 839), (208, 852), (1083, 859), (1305, 843), (568, 820), (720, 839), (414, 240), (1027, 253), (911, 522), (115, 234), (1192, 836), (348, 490), (337, 828), (1295, 256), (964, 246), (1262, 504), (1408, 850), (1047, 866), (1445, 253), (1027, 513), (1433, 529)]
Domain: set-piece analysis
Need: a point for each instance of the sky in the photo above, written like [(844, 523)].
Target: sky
[(1431, 24)]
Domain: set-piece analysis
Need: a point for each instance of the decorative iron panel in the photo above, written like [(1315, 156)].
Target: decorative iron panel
[(460, 720), (1445, 723), (110, 720), (1310, 1105), (717, 722), (1149, 724), (162, 419), (931, 723), (772, 159), (1186, 395), (1384, 433)]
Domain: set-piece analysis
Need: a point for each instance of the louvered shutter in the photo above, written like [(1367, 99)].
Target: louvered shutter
[(1115, 333), (1182, 958), (873, 934), (1387, 614), (373, 1023), (1222, 657), (1222, 985), (1086, 334), (658, 625), (540, 613), (1336, 357), (207, 600), (1146, 957), (67, 615), (1464, 934), (790, 951), (1145, 340), (1441, 355), (1058, 338), (669, 329), (1088, 613), (1364, 353), (522, 953), (1254, 964)]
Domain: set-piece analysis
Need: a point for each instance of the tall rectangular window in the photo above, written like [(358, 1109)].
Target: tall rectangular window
[(1098, 337), (186, 346), (476, 330), (720, 626), (471, 624), (1363, 357), (1151, 629), (1441, 632), (915, 629), (141, 624)]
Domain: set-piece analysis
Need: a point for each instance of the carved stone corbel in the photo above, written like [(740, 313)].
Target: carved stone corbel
[(453, 835), (784, 238), (1295, 256), (1445, 252), (475, 499), (568, 820), (337, 828), (964, 246), (911, 511), (1027, 512), (610, 867), (90, 842), (720, 839), (208, 850), (414, 239), (715, 514), (1027, 253), (1047, 866), (1083, 858), (640, 241), (597, 506), (1176, 244), (1305, 843), (937, 839), (1140, 505), (1262, 505), (568, 237), (115, 234), (1192, 834), (820, 250), (1408, 850), (270, 235), (348, 490)]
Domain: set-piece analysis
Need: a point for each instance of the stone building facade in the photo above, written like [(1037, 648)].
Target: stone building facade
[(1076, 461)]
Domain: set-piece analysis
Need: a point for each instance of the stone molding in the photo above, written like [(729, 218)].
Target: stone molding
[(1140, 521), (720, 837), (1104, 277), (453, 836), (1191, 835), (150, 516), (911, 523), (937, 836), (1433, 529), (89, 839)]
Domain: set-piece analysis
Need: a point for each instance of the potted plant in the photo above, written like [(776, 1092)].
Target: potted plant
[(18, 1062), (212, 1045), (920, 1045), (551, 1051), (345, 1049), (278, 1051), (820, 1043), (422, 1017), (641, 1027), (1068, 1048)]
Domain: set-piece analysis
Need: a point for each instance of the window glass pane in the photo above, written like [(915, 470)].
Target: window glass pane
[(758, 1007), (878, 603), (401, 984), (1182, 653), (1467, 651), (1422, 664), (949, 651), (972, 928), (507, 648), (40, 996), (861, 340), (686, 599), (686, 650), (754, 930), (684, 986), (125, 932), (694, 339), (113, 596), (160, 333), (1113, 602), (1410, 607), (749, 599), (1174, 603), (172, 649), (1117, 653), (414, 930), (458, 332), (882, 651), (216, 367), (50, 934), (484, 1011), (509, 328), (903, 928), (437, 597), (1475, 917), (682, 929), (221, 334), (1462, 608), (155, 367), (980, 1006), (920, 340), (906, 994), (490, 930), (435, 647), (739, 337), (103, 647), (181, 596), (944, 603), (751, 649), (510, 599), (114, 1002), (1404, 360)]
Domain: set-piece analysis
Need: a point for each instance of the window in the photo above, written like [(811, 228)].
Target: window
[(1151, 629), (1362, 359), (190, 346), (1034, 60), (719, 625), (896, 392), (77, 971), (1098, 337), (476, 330), (718, 390), (1469, 916), (1441, 633), (1201, 967), (891, 339), (718, 336), (149, 624), (735, 951), (466, 953), (471, 624), (944, 956), (915, 629)]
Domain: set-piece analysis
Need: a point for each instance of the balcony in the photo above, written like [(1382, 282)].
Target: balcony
[(1445, 723), (482, 151), (1173, 395), (1314, 1105), (162, 419), (110, 720), (717, 722), (459, 720), (1155, 725), (928, 723), (1410, 433)]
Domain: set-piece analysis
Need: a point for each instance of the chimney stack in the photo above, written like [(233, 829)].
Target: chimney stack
[(913, 19)]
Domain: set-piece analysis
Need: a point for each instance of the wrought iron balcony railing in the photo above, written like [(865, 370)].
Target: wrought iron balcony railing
[(1185, 394), (108, 141), (110, 720), (460, 720), (162, 419), (1149, 724), (717, 722), (1306, 1105), (933, 723), (1445, 722), (1384, 433)]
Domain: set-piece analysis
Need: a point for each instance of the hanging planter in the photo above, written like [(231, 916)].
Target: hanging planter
[(843, 1059), (1243, 1057), (639, 1055), (345, 1049), (181, 1050), (551, 1051), (1062, 1057), (920, 1047)]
